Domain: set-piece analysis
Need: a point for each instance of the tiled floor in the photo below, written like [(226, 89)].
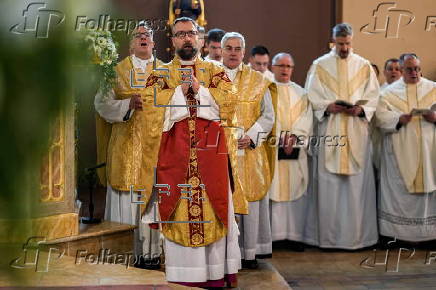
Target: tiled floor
[(318, 269), (312, 269), (265, 277)]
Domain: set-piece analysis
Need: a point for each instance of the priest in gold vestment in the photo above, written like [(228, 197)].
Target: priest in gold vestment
[(195, 209), (407, 207), (122, 131), (288, 192), (251, 162), (344, 92)]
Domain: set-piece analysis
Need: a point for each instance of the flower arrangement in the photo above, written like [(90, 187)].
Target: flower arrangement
[(103, 50)]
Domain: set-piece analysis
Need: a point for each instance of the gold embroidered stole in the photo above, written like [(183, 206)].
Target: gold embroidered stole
[(253, 168)]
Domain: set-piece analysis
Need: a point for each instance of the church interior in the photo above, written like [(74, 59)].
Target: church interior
[(55, 232)]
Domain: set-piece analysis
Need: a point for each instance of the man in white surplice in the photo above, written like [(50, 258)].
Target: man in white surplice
[(118, 109), (407, 207), (391, 73), (255, 237), (288, 192), (344, 92)]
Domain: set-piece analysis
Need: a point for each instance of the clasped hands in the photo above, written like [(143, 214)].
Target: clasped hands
[(190, 81), (288, 142), (136, 101), (354, 111), (429, 117)]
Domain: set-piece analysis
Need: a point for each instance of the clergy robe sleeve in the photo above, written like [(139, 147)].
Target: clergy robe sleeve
[(303, 126), (316, 93), (113, 111), (371, 93), (264, 124), (386, 119)]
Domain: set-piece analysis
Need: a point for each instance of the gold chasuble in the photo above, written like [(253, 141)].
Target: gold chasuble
[(351, 80), (192, 172), (415, 143), (130, 148), (254, 167)]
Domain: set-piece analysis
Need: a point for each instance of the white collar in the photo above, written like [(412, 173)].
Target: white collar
[(207, 58), (139, 62), (231, 73), (236, 69), (282, 84), (404, 84)]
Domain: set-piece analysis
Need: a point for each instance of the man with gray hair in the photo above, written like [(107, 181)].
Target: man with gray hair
[(407, 117), (121, 131), (250, 160), (288, 192), (344, 92)]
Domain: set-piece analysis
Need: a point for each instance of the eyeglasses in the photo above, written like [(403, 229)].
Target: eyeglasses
[(284, 66), (141, 35), (182, 34), (412, 69)]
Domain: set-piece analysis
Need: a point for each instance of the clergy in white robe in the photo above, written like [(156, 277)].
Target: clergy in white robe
[(255, 118), (407, 201), (120, 114), (392, 73), (288, 192), (194, 203), (344, 92)]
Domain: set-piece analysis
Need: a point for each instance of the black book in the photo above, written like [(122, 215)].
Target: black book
[(293, 156)]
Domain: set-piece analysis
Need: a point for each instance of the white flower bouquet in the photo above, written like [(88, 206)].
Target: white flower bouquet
[(103, 50)]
